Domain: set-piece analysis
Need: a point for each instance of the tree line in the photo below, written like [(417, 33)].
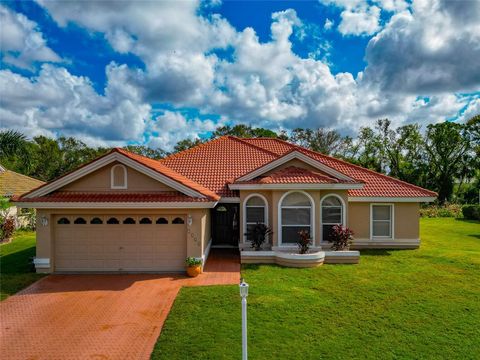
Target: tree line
[(443, 158)]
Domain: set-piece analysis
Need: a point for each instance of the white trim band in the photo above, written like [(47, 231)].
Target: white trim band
[(116, 205), (390, 199), (41, 263), (295, 186)]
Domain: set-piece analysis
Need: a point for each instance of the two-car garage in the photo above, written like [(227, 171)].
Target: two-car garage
[(119, 242)]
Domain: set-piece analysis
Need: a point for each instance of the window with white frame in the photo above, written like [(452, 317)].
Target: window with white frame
[(296, 215), (332, 214), (255, 213), (382, 221), (118, 177)]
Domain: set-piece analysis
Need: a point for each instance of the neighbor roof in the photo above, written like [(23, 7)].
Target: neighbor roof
[(12, 183)]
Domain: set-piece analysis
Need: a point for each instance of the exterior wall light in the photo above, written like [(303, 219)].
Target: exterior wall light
[(189, 220), (44, 221)]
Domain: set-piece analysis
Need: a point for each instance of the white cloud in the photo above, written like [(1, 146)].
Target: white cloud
[(58, 102), (261, 83), (170, 127), (21, 42), (360, 21), (357, 17), (433, 49), (328, 24)]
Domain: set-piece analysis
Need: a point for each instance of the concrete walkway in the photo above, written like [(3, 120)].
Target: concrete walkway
[(99, 316)]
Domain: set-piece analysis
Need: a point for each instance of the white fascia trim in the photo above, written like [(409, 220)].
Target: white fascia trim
[(229, 200), (390, 199), (117, 205), (294, 155), (41, 263), (295, 186), (105, 161)]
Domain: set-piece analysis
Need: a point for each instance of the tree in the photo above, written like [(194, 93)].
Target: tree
[(328, 142), (186, 144), (11, 143), (146, 151), (243, 131), (449, 154)]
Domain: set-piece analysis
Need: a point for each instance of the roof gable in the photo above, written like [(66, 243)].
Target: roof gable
[(294, 154), (146, 166)]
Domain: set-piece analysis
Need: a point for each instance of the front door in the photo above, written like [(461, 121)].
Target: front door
[(225, 225)]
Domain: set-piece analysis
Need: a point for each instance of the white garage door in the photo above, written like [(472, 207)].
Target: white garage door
[(120, 243)]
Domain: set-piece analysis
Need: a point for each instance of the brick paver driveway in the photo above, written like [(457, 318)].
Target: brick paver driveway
[(98, 316)]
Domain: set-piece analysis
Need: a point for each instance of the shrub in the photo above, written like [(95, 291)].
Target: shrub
[(7, 227), (341, 238), (191, 261), (447, 210), (303, 241), (471, 212), (258, 235)]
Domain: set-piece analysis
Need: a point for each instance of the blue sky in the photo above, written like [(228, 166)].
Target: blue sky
[(112, 73)]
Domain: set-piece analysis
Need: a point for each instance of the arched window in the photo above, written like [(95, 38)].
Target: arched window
[(113, 221), (255, 212), (129, 221), (178, 220), (145, 220), (296, 214), (96, 221), (118, 177), (80, 221), (162, 221), (63, 221), (332, 214)]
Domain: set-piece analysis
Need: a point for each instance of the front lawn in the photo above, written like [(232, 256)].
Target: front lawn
[(406, 304), (15, 268)]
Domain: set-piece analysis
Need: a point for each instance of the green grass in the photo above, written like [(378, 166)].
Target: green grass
[(404, 304), (15, 269)]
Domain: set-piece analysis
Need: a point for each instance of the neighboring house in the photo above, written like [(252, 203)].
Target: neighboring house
[(14, 184), (125, 212)]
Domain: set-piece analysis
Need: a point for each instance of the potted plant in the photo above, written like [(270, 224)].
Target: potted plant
[(258, 235), (341, 238), (194, 266), (303, 242)]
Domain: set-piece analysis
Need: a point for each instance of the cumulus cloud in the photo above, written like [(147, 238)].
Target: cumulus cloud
[(328, 24), (169, 36), (433, 49), (170, 127), (358, 17), (261, 83), (56, 101), (22, 43)]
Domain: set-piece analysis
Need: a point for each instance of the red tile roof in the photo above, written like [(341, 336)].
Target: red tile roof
[(218, 162), (68, 196), (210, 167), (294, 175), (376, 184)]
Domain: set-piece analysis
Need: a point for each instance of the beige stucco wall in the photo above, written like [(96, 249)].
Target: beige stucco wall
[(197, 236), (100, 180), (406, 220)]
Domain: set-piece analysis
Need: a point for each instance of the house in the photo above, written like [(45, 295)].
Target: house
[(125, 212), (14, 184)]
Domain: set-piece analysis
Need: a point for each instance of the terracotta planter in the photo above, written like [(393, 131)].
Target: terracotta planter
[(194, 271)]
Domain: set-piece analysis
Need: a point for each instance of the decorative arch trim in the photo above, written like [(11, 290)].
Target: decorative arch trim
[(244, 210), (312, 216)]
